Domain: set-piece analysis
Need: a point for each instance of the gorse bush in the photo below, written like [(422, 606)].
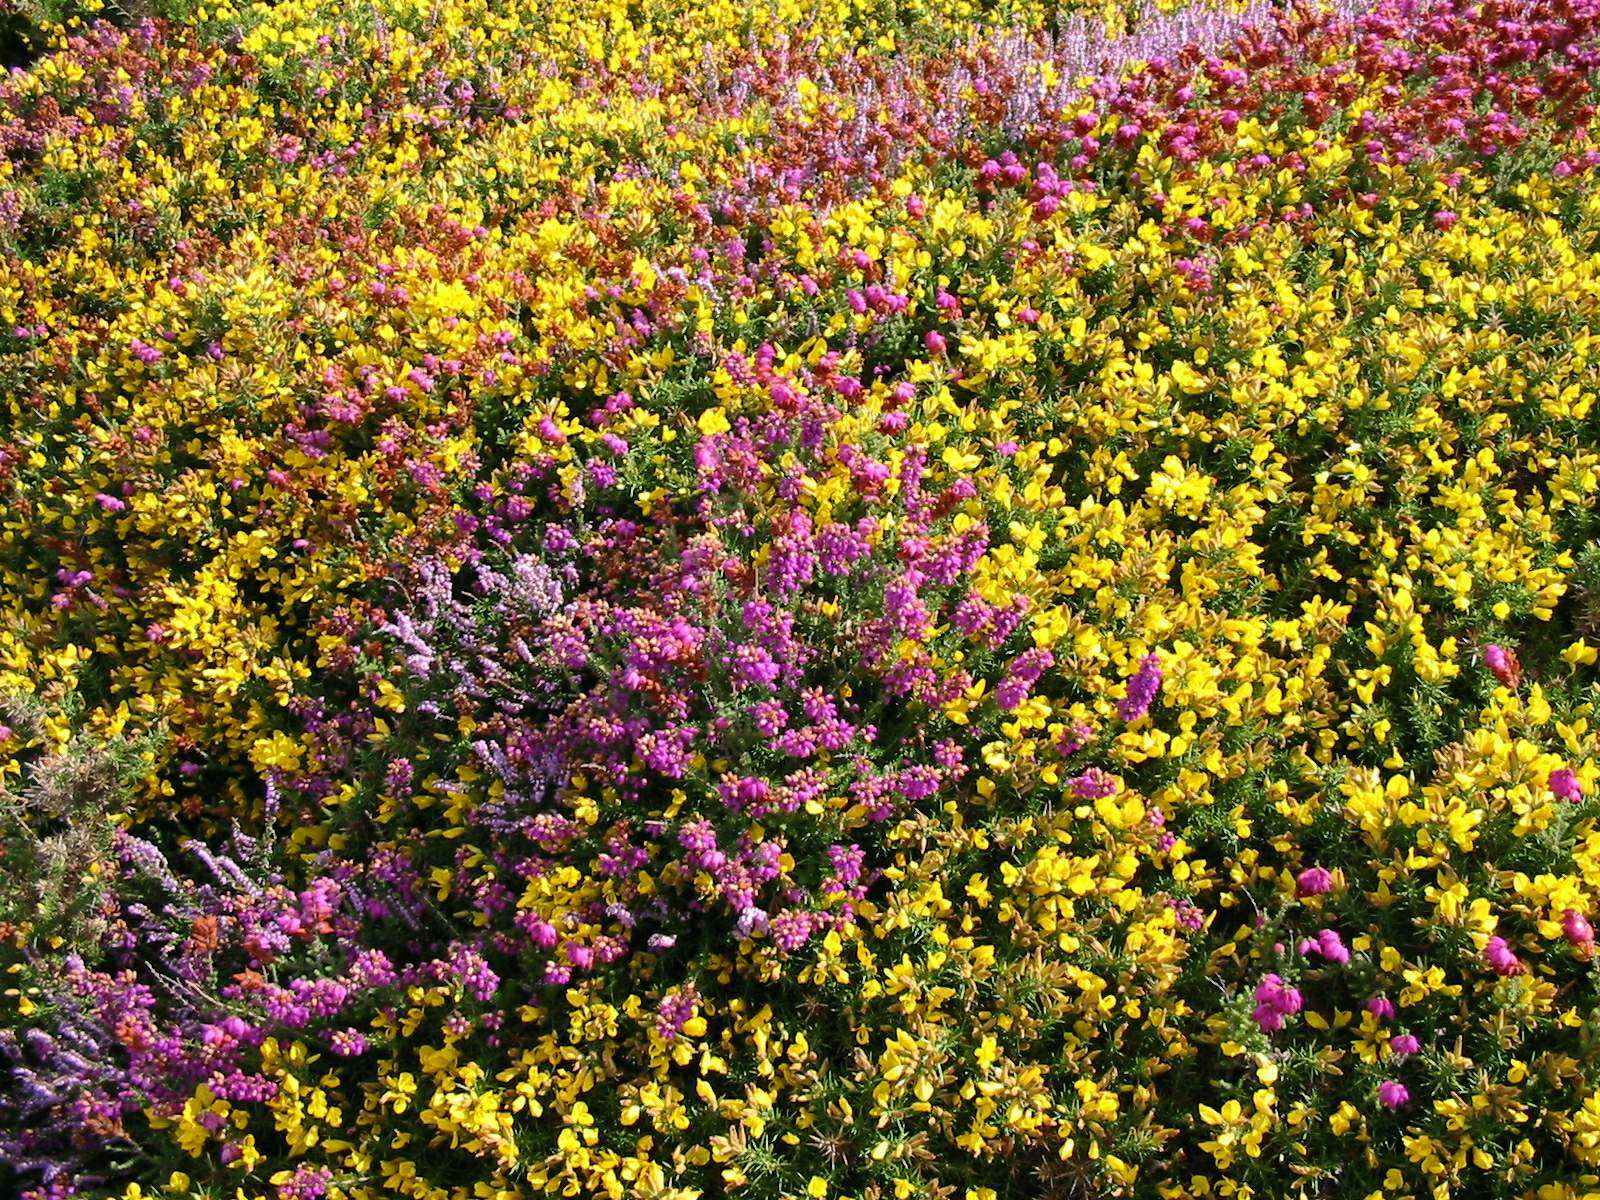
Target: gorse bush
[(851, 601)]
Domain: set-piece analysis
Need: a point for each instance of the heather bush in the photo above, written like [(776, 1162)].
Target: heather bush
[(875, 600)]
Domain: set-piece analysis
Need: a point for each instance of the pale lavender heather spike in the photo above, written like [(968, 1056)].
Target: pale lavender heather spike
[(146, 858), (271, 798), (223, 868)]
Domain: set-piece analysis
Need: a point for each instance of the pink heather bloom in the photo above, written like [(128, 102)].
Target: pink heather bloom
[(1268, 1018), (1381, 1007), (1501, 663), (1404, 1043), (1093, 784), (674, 1012), (540, 932), (1577, 929), (1142, 689), (1074, 739), (1332, 947), (307, 1183), (934, 341), (1275, 1000), (1314, 881), (1393, 1094), (790, 930), (1500, 957), (1564, 785)]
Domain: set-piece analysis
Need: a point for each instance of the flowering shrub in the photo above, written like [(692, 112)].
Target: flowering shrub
[(854, 600)]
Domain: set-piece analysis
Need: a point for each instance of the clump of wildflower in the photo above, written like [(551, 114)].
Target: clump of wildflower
[(1564, 785), (1575, 927), (1142, 690), (1393, 1095), (1314, 881), (1501, 958), (1502, 663), (1275, 1000)]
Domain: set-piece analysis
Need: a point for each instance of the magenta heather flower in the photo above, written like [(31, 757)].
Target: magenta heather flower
[(144, 353), (1575, 926), (1381, 1007), (847, 862), (1093, 784), (307, 1183), (1275, 1000), (1404, 1044), (348, 1043), (1143, 688), (1188, 914), (674, 1012), (1328, 944), (1502, 663), (791, 930), (1501, 958), (1314, 881), (1564, 785), (1393, 1094), (1075, 739), (1332, 947), (469, 969), (751, 921), (1021, 675)]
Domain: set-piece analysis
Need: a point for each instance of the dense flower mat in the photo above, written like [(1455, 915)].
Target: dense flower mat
[(781, 599)]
